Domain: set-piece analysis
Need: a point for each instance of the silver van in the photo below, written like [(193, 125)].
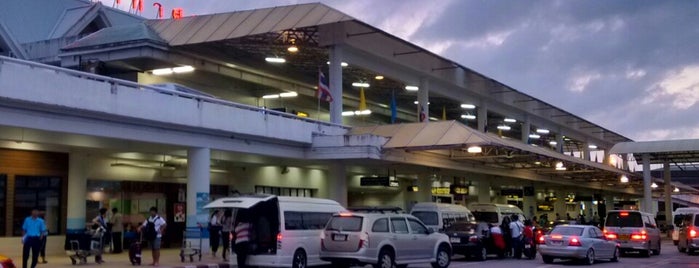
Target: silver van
[(688, 234), (634, 231)]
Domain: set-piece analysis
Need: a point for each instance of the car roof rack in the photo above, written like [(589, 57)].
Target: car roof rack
[(377, 209)]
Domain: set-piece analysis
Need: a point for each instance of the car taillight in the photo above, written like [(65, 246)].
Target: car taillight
[(542, 240), (574, 242), (363, 241), (692, 233), (610, 236), (473, 239), (279, 241)]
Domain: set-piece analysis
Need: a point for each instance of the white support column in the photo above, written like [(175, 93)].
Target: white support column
[(482, 117), (484, 191), (647, 180), (423, 99), (77, 192), (559, 143), (526, 128), (198, 185), (336, 58), (667, 176), (337, 181), (424, 189), (585, 152)]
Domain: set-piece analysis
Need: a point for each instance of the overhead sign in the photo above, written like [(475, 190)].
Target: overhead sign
[(441, 190), (374, 181), (511, 192), (459, 189)]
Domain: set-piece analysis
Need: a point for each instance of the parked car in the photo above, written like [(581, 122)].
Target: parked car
[(383, 240), (580, 242), (495, 213), (439, 216), (678, 217), (634, 231), (292, 236), (471, 239), (688, 235), (6, 262)]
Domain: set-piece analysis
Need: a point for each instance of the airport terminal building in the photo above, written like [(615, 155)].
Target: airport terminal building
[(101, 108)]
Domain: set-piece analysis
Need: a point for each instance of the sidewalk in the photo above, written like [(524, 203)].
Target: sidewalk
[(169, 258)]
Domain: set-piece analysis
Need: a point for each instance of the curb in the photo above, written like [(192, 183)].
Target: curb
[(211, 265)]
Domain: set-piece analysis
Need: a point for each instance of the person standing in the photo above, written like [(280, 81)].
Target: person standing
[(242, 237), (117, 224), (226, 230), (33, 232), (153, 233), (42, 252), (516, 229), (102, 221), (215, 231)]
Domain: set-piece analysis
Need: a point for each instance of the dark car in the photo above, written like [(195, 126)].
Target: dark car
[(471, 239)]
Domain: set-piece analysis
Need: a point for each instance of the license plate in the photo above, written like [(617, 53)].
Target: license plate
[(624, 237), (527, 246), (340, 237), (455, 239), (557, 243)]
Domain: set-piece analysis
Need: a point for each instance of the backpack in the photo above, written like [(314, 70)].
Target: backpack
[(151, 233)]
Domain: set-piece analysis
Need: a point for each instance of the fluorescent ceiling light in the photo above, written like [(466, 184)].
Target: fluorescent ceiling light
[(412, 88), (534, 136), (353, 113), (273, 96), (288, 94), (676, 190), (275, 60), (624, 179), (474, 149), (164, 71), (537, 163), (417, 102), (504, 127), (654, 185), (560, 166), (592, 146), (360, 84), (292, 49), (553, 143), (468, 116), (379, 77), (434, 118), (343, 64), (183, 69), (510, 120), (347, 113), (365, 112), (543, 131), (468, 106)]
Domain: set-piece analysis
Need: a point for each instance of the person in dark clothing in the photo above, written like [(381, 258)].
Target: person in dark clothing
[(117, 225), (243, 229), (215, 231), (33, 231), (507, 234), (226, 230), (42, 252)]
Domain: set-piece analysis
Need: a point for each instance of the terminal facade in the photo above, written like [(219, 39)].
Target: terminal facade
[(103, 108)]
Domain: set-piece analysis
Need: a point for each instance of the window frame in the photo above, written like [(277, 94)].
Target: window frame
[(387, 224), (393, 229)]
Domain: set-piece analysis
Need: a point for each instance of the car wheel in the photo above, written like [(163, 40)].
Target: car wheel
[(617, 254), (386, 260), (443, 257), (300, 259), (547, 259), (483, 254), (647, 253), (590, 257)]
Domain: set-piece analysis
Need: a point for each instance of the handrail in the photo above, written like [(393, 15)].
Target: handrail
[(121, 82)]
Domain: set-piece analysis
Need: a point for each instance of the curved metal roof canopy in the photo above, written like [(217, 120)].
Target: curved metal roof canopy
[(674, 151)]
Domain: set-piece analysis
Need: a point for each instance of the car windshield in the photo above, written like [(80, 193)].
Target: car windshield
[(624, 219), (489, 217), (427, 217), (461, 227), (567, 230), (342, 223)]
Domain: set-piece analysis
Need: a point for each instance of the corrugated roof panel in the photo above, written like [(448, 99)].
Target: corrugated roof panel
[(429, 136), (190, 29), (68, 20), (272, 21), (332, 17), (229, 26), (159, 25), (458, 134), (315, 16), (248, 25), (404, 135), (387, 130), (214, 23), (175, 28), (295, 16)]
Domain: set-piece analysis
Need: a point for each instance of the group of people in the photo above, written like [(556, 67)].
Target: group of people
[(152, 229), (510, 237), (114, 226), (226, 229)]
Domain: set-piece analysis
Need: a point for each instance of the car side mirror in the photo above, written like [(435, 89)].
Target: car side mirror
[(430, 230)]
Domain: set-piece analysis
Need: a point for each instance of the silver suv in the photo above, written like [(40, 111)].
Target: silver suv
[(382, 240)]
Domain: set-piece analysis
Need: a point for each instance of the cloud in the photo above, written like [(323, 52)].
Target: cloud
[(681, 87), (580, 83)]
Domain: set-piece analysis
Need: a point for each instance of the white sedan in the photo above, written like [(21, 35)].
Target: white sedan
[(580, 242)]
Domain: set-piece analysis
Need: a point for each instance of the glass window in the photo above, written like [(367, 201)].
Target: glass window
[(380, 226), (624, 219), (489, 217), (293, 221), (344, 223), (399, 225), (567, 230), (428, 217), (416, 227), (37, 192), (305, 220)]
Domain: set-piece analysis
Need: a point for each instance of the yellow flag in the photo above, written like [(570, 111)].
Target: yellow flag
[(362, 100), (444, 113)]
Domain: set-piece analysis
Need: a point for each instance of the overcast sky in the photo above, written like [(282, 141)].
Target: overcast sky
[(630, 66)]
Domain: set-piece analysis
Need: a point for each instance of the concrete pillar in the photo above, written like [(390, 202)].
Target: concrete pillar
[(484, 191), (198, 185), (424, 189), (667, 176), (336, 58), (482, 117), (77, 192), (647, 180), (526, 128), (625, 162), (585, 152), (529, 206), (559, 143), (559, 207), (423, 99), (337, 181)]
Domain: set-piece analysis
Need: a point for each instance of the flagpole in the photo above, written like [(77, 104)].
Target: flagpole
[(318, 106)]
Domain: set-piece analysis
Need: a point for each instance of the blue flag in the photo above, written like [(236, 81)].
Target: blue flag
[(394, 109)]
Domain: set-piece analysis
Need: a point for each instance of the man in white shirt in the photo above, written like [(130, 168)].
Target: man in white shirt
[(516, 228), (154, 228)]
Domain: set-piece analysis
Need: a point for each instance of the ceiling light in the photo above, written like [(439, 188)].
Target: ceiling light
[(272, 96), (534, 136), (164, 71), (510, 120), (553, 143), (468, 116), (624, 179), (360, 84), (543, 131), (654, 185), (353, 113), (379, 77), (504, 127), (275, 60), (537, 163), (412, 88), (288, 94), (676, 190), (343, 64), (417, 102), (347, 113), (293, 49), (468, 106), (183, 69), (474, 149), (560, 166), (592, 146)]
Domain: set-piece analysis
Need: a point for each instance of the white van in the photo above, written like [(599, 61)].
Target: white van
[(292, 238), (677, 217), (439, 216), (495, 213)]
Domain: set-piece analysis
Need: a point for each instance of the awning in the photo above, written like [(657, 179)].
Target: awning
[(675, 151), (243, 202)]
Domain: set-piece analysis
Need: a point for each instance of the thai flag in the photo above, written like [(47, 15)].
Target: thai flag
[(323, 92)]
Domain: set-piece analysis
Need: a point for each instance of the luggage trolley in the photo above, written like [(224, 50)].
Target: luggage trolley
[(79, 255), (190, 249)]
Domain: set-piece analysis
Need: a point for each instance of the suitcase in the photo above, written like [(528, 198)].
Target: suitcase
[(135, 253)]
